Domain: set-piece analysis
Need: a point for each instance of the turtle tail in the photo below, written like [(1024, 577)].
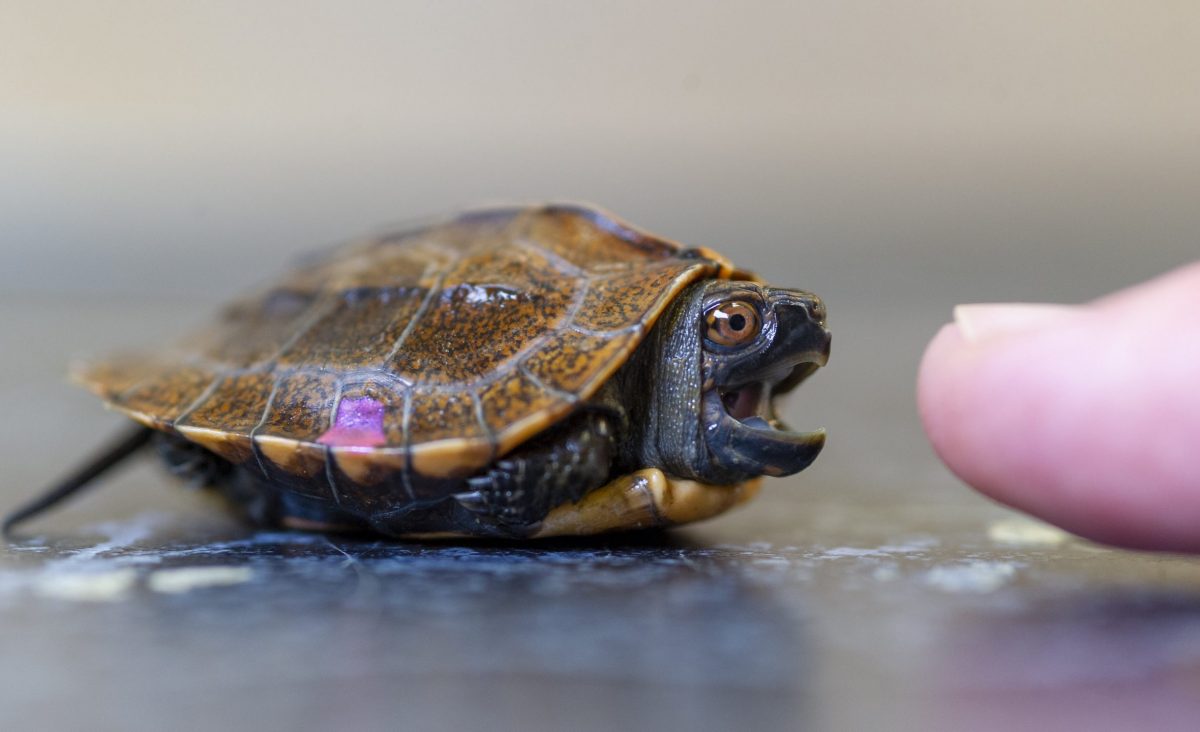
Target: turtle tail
[(128, 443)]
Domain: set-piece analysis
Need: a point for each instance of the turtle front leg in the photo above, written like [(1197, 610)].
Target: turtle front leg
[(518, 490)]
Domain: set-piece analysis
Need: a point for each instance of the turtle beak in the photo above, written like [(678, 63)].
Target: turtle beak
[(745, 437)]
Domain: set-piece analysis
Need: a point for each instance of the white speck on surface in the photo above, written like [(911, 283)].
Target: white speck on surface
[(104, 586), (915, 546), (971, 577), (1026, 533), (885, 573), (185, 579), (88, 575), (851, 551), (912, 544), (121, 535)]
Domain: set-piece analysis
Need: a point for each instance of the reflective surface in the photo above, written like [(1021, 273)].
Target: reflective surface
[(871, 591)]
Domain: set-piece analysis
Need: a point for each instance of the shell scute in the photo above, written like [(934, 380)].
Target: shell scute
[(442, 415), (512, 401), (301, 405), (446, 436), (565, 360), (626, 299), (360, 328), (590, 239), (253, 332), (110, 378), (490, 307), (165, 393), (236, 404)]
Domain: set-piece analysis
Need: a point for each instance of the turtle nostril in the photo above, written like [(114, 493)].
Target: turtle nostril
[(816, 309)]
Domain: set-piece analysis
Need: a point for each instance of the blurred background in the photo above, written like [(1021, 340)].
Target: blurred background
[(868, 149), (159, 157)]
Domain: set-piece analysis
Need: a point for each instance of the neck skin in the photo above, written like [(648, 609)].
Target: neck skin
[(660, 390)]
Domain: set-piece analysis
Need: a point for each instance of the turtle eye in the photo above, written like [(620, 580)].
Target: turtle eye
[(732, 323)]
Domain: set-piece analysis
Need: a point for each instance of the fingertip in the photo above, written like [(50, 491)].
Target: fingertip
[(935, 403), (1085, 422)]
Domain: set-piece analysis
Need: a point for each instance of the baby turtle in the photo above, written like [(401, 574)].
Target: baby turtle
[(517, 372)]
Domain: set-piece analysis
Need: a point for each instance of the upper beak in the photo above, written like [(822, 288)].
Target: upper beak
[(803, 337)]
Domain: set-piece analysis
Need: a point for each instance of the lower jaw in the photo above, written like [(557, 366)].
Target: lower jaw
[(738, 452)]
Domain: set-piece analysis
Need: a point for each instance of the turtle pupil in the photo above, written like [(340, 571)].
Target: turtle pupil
[(737, 322)]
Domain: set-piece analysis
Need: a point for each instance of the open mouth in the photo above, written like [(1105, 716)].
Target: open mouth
[(744, 417), (753, 405)]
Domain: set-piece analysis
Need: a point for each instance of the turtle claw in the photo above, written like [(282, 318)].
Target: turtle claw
[(473, 501)]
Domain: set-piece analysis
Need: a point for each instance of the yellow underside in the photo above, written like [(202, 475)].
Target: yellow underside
[(641, 500)]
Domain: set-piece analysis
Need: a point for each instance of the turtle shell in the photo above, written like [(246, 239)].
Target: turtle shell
[(435, 349)]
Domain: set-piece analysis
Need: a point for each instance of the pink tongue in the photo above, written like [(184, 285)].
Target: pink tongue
[(743, 403)]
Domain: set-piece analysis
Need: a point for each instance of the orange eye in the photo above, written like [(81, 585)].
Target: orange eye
[(733, 323)]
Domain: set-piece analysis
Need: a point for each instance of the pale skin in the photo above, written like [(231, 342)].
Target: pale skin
[(1085, 416)]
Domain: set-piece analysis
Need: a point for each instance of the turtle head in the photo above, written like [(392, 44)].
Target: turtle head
[(727, 352), (758, 343)]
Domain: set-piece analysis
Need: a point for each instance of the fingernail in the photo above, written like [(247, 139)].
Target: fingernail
[(979, 321)]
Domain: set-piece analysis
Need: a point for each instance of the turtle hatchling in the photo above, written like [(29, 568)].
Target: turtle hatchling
[(514, 372)]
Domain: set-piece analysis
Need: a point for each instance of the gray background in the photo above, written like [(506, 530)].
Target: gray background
[(918, 150), (896, 158)]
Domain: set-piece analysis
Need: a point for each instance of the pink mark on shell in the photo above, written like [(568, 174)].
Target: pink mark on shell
[(359, 423)]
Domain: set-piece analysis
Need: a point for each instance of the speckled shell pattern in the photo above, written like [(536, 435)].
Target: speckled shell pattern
[(432, 351)]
